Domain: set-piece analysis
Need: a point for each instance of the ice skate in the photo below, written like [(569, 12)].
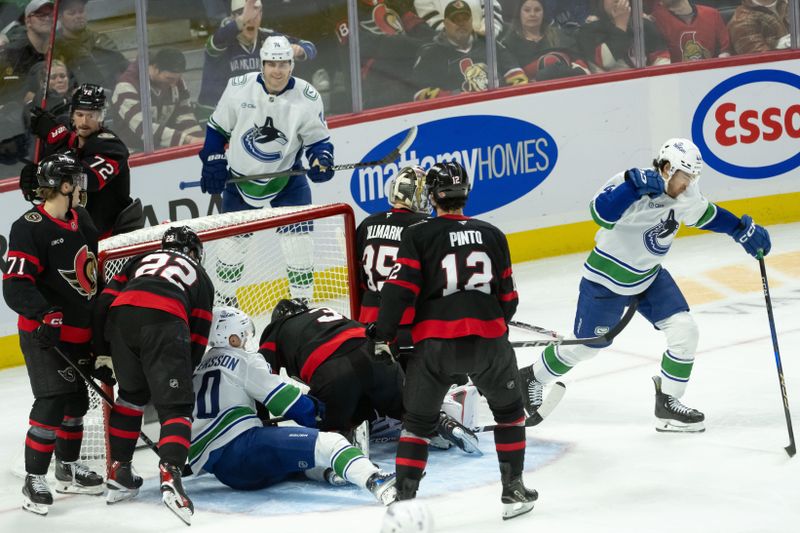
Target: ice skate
[(517, 499), (531, 390), (122, 483), (452, 431), (381, 485), (38, 497), (172, 493), (673, 416), (75, 478)]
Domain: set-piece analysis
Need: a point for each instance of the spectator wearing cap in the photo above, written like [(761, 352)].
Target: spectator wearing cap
[(233, 50), (455, 61), (91, 56), (432, 12), (171, 111), (760, 26), (544, 51)]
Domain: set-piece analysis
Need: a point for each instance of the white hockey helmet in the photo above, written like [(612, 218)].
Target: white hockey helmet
[(229, 321), (682, 154), (408, 188), (277, 48), (407, 516)]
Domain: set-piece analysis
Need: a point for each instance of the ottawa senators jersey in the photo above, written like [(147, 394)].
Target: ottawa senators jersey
[(104, 157), (166, 280), (377, 243), (303, 342), (52, 263), (457, 272)]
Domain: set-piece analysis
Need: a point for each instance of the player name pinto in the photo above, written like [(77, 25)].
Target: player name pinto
[(463, 238)]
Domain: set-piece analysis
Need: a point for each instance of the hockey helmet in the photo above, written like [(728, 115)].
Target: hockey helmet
[(408, 516), (682, 154), (408, 188), (277, 48), (289, 308), (230, 321), (184, 240), (448, 180), (88, 96), (55, 169)]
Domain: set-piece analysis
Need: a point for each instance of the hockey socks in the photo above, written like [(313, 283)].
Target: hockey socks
[(124, 426), (350, 463), (39, 445), (509, 441), (412, 458), (68, 439), (173, 446)]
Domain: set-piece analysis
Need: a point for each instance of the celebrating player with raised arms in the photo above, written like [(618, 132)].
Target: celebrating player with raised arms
[(639, 212), (230, 441)]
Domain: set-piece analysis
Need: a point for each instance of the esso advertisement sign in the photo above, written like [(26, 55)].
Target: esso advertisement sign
[(505, 158), (748, 126)]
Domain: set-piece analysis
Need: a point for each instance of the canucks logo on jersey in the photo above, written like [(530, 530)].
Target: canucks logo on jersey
[(659, 238), (256, 141)]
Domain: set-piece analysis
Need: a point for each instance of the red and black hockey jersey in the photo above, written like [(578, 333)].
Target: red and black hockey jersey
[(303, 342), (53, 263), (377, 244), (166, 280), (105, 160), (458, 272)]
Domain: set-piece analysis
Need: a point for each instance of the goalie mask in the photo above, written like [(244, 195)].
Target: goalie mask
[(230, 321), (408, 189), (682, 154), (184, 240)]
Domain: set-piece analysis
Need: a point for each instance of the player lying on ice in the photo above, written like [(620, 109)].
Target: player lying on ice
[(230, 441)]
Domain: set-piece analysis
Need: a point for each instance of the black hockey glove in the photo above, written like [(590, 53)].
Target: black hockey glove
[(382, 351), (28, 182), (752, 237), (41, 121), (104, 370), (49, 332), (645, 181)]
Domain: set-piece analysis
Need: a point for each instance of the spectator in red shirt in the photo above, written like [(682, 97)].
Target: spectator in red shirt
[(691, 31)]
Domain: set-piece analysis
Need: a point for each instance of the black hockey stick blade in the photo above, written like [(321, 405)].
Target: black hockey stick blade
[(549, 403), (600, 339)]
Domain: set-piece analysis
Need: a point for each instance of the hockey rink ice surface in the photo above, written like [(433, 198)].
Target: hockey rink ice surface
[(597, 462)]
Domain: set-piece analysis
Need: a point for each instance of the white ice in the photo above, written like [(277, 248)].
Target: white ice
[(597, 462)]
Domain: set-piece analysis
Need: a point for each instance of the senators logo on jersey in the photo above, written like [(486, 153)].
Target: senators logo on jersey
[(83, 278)]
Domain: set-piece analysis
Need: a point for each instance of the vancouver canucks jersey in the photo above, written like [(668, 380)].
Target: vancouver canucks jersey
[(628, 252), (227, 382), (267, 132)]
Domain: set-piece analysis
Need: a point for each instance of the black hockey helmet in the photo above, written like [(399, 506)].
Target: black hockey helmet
[(289, 308), (88, 96), (184, 240), (447, 180), (55, 169)]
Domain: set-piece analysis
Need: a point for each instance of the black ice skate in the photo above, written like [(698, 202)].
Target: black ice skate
[(673, 416), (122, 483), (38, 497), (517, 499), (531, 390), (75, 478), (381, 485), (172, 493), (452, 431)]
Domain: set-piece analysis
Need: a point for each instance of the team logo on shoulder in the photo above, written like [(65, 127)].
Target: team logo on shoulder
[(659, 238), (257, 138), (310, 92), (33, 216), (238, 80), (84, 277)]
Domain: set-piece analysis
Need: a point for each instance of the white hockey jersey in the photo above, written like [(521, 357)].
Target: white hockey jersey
[(267, 132), (628, 253), (227, 382)]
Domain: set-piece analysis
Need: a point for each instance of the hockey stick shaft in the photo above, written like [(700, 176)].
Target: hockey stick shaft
[(535, 329), (388, 158), (48, 66), (100, 392), (600, 339), (790, 449), (548, 404)]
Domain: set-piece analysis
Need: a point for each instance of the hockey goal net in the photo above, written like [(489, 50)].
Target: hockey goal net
[(255, 259)]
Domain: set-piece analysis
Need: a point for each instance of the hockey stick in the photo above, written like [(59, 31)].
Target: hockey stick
[(548, 404), (600, 339), (535, 329), (790, 449), (388, 158), (49, 63)]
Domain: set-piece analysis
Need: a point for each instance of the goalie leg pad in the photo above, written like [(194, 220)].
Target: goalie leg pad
[(677, 361)]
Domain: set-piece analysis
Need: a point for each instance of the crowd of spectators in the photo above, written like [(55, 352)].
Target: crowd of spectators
[(410, 50)]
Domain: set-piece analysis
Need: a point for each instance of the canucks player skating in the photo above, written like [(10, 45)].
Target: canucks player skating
[(230, 441), (639, 212), (268, 119)]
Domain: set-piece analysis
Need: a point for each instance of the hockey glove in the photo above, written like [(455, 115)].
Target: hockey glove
[(304, 412), (382, 351), (49, 332), (28, 182), (41, 121), (214, 174), (104, 370), (752, 237), (647, 181), (320, 163)]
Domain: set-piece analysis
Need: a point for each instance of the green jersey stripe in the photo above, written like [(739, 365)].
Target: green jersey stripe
[(282, 400), (218, 426), (616, 272), (598, 219), (219, 128), (711, 212)]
